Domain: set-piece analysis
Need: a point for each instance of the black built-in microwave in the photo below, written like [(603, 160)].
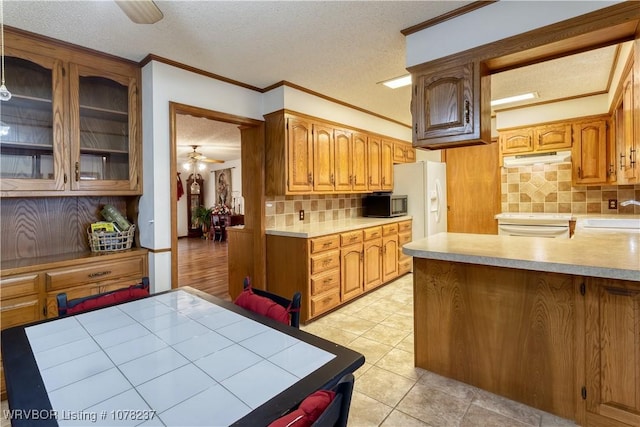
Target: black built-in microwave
[(384, 205)]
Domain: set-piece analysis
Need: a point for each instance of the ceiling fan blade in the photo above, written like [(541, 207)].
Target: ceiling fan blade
[(141, 11), (211, 160)]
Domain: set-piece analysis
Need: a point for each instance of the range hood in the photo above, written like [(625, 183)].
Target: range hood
[(530, 159)]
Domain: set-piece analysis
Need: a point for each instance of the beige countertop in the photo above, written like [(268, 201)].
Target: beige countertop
[(306, 230), (607, 253)]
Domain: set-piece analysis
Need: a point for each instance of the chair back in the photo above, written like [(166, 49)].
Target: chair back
[(337, 413), (79, 305), (293, 304)]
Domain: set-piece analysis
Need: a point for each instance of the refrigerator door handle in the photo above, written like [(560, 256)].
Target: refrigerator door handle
[(438, 200)]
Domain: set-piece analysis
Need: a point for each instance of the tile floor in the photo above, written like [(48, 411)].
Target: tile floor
[(390, 391)]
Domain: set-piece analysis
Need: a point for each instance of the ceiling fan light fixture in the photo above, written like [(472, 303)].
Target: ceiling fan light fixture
[(141, 11)]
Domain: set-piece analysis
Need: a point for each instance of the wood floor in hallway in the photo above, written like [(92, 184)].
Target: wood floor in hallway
[(202, 264)]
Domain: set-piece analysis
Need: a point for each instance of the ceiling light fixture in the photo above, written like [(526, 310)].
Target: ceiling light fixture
[(398, 82), (515, 98), (141, 11), (5, 95)]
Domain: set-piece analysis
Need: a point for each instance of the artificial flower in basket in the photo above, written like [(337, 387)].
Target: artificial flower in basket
[(221, 209)]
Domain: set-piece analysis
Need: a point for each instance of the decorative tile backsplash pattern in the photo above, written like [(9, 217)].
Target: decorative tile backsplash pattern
[(547, 188), (283, 211)]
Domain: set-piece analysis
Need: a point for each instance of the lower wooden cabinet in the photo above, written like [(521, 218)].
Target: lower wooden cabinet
[(612, 352), (333, 269)]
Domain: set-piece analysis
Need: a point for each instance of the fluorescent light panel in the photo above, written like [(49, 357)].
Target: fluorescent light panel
[(398, 82), (515, 98)]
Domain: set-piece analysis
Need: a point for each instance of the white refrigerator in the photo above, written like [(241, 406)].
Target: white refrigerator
[(425, 184)]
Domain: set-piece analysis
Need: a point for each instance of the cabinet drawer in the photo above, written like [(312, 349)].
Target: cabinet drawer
[(351, 238), (324, 282), (325, 261), (11, 287), (389, 229), (404, 238), (372, 233), (18, 311), (321, 244), (324, 303), (404, 226), (94, 273), (404, 266)]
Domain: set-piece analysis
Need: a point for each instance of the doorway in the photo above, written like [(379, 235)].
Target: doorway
[(195, 261)]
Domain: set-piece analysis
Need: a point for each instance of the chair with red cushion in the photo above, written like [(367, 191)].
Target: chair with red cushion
[(79, 305), (271, 305), (324, 408)]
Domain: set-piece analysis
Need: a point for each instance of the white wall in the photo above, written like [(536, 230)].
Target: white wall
[(162, 83), (491, 23)]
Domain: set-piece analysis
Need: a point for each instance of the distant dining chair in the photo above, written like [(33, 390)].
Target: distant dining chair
[(105, 299), (268, 304), (324, 408), (219, 227)]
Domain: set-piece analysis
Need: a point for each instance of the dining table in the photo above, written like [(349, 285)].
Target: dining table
[(176, 358)]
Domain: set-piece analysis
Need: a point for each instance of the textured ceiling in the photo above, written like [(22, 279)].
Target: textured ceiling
[(341, 49)]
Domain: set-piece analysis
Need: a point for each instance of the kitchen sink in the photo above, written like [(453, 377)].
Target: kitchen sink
[(626, 223)]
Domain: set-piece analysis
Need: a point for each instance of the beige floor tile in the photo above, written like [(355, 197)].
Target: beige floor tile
[(353, 324), (390, 306), (362, 369), (372, 315), (433, 406), (383, 386), (339, 336), (401, 362), (447, 385), (508, 408), (478, 416), (372, 350), (366, 412), (386, 335), (550, 420), (407, 344), (400, 419), (400, 321)]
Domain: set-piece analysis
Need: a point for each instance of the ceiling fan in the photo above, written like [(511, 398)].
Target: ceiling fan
[(141, 11), (195, 157)]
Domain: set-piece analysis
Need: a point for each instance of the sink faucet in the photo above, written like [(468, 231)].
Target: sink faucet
[(630, 202)]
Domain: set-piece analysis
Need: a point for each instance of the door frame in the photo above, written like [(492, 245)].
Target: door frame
[(175, 109)]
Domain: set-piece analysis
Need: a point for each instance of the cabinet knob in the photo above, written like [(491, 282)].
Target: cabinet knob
[(467, 111), (77, 171)]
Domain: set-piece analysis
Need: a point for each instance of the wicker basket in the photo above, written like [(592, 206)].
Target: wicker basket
[(111, 242)]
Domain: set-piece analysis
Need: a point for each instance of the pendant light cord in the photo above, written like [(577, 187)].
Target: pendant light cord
[(2, 36)]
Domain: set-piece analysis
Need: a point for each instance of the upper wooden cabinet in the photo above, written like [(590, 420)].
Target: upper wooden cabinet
[(626, 139), (589, 153), (535, 139), (306, 155), (450, 106), (403, 153), (73, 123)]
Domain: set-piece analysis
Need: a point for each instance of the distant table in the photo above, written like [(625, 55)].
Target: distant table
[(236, 220), (180, 358)]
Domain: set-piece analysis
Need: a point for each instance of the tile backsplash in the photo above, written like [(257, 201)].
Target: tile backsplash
[(283, 211), (547, 188)]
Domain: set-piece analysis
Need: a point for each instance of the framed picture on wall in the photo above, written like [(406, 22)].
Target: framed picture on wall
[(223, 187)]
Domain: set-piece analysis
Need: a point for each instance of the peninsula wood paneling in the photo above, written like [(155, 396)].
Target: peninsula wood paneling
[(507, 331)]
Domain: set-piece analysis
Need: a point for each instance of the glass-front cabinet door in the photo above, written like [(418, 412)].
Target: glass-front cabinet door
[(103, 130), (32, 127)]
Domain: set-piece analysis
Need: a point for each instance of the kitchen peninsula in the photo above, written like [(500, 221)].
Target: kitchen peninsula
[(552, 323)]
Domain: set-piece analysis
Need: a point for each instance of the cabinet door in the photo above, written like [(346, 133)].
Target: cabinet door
[(628, 146), (389, 257), (359, 162), (372, 264), (104, 130), (33, 134), (351, 279), (444, 103), (589, 152), (323, 158), (613, 350), (375, 163), (516, 141), (552, 137), (343, 160), (387, 165), (299, 155)]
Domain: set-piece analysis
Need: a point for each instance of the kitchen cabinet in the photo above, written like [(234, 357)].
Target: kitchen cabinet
[(403, 153), (516, 141), (405, 262), (450, 105), (627, 143), (535, 139), (331, 269), (589, 152), (73, 122), (306, 155), (389, 252), (372, 251), (612, 346)]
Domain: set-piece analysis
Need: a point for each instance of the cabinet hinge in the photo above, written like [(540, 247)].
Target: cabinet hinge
[(583, 289), (583, 392)]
